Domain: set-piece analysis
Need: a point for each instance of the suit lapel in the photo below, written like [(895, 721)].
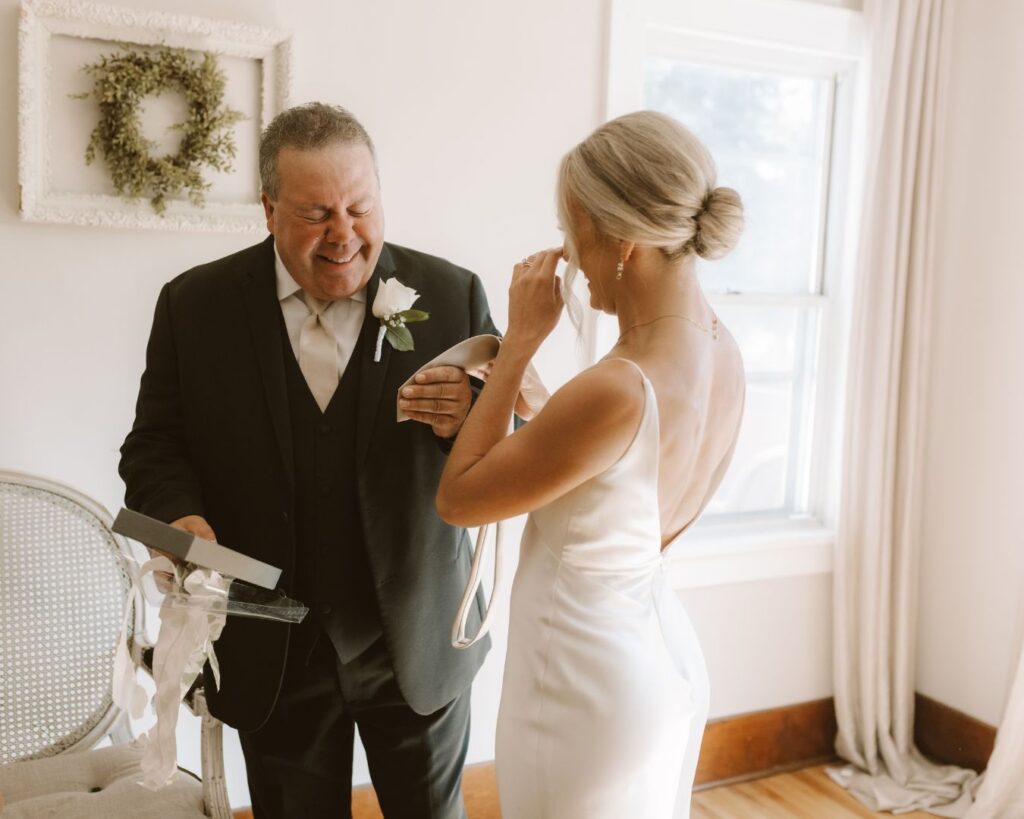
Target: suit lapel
[(264, 314), (372, 373)]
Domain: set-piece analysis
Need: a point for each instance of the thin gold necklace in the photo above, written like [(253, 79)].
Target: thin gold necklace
[(713, 331)]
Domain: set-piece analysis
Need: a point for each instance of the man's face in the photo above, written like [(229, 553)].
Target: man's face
[(327, 220)]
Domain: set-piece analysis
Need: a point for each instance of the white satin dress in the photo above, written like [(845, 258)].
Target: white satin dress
[(605, 692)]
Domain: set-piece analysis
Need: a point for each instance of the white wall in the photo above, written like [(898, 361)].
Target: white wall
[(471, 105), (972, 593), (856, 5)]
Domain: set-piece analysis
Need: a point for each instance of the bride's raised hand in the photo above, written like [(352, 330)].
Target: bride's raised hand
[(534, 299)]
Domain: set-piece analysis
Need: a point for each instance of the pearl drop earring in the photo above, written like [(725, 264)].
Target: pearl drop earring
[(618, 270)]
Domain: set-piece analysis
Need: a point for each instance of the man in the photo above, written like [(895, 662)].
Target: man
[(265, 422)]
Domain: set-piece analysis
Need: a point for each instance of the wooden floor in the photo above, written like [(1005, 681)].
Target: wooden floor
[(805, 794)]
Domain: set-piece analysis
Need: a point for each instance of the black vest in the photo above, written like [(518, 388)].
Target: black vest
[(332, 570)]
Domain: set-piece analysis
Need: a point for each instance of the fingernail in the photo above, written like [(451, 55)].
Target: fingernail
[(420, 378), (407, 391)]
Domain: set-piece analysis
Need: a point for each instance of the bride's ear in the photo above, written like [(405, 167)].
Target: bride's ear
[(626, 250)]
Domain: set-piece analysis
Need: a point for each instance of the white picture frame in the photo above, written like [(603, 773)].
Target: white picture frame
[(57, 37)]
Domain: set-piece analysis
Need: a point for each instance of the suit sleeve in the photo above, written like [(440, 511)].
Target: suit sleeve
[(479, 311), (482, 314), (480, 323), (159, 477)]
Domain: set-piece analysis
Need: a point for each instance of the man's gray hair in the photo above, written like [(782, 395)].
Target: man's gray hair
[(307, 128)]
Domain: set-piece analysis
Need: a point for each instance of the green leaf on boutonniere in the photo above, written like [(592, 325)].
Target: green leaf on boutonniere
[(413, 315), (400, 338)]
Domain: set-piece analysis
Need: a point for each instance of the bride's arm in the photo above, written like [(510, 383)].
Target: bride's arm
[(583, 429)]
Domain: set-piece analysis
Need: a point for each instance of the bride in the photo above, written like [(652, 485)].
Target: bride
[(605, 692)]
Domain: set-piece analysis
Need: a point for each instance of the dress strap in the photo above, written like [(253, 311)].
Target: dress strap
[(648, 386), (636, 366)]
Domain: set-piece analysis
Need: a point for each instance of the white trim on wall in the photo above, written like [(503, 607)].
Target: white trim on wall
[(41, 20), (741, 556)]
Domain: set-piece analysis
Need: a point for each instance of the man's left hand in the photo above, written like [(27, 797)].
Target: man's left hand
[(439, 397)]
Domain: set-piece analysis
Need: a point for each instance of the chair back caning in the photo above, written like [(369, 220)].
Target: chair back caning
[(62, 598)]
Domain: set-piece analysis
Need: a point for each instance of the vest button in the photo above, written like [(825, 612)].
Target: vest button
[(325, 429), (325, 608), (284, 515), (325, 490)]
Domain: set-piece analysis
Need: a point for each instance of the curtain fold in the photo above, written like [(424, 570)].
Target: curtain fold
[(877, 550), (1001, 795)]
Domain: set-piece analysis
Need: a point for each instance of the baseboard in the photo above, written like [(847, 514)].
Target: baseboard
[(767, 742), (950, 736), (735, 748), (749, 746)]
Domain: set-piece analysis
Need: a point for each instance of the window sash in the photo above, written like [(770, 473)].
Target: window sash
[(763, 35)]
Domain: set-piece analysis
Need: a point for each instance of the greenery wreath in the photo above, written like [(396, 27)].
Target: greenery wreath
[(122, 81)]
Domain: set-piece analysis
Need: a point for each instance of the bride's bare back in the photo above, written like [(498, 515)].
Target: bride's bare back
[(700, 386)]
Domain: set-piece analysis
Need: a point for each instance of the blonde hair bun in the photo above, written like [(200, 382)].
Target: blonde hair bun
[(719, 224), (645, 178)]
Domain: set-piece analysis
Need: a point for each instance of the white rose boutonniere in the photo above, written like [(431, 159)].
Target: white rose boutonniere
[(393, 306)]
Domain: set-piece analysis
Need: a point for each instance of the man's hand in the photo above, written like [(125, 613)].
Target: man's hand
[(439, 397), (194, 525)]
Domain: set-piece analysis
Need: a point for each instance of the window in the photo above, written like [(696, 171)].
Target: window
[(775, 107)]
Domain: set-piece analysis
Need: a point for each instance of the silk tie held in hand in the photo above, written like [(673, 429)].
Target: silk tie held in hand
[(470, 355)]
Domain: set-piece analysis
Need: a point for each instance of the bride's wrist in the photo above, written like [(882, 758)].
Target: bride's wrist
[(514, 345)]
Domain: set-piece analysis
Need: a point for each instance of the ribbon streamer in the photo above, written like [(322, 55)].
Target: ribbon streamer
[(459, 637), (192, 615)]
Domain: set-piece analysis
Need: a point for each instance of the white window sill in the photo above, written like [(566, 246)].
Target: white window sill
[(714, 556)]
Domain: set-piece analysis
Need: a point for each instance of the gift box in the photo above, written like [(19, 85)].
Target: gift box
[(194, 594)]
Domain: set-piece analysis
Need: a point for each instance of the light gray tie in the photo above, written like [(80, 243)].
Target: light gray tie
[(318, 352)]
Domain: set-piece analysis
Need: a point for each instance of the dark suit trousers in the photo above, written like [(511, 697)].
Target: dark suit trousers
[(299, 764)]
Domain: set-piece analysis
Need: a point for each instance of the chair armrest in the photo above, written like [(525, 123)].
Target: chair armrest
[(215, 790)]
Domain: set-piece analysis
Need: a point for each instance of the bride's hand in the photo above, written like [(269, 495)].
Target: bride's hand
[(534, 299)]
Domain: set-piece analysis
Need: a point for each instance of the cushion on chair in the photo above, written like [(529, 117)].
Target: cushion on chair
[(98, 784)]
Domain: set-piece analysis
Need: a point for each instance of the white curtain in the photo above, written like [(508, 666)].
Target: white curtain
[(1002, 793), (876, 570)]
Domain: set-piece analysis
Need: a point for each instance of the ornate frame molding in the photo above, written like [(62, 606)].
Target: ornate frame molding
[(40, 20)]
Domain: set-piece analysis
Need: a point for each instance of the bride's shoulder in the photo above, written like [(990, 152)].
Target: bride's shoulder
[(614, 384), (617, 372)]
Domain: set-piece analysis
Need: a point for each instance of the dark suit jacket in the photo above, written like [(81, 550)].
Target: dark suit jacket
[(212, 438)]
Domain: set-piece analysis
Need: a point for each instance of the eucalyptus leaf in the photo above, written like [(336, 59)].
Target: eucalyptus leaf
[(413, 315), (122, 81), (400, 338)]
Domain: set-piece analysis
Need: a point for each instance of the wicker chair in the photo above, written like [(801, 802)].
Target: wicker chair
[(62, 598)]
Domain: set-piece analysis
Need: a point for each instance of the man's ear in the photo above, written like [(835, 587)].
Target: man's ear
[(268, 209)]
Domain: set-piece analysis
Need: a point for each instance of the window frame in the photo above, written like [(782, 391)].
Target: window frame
[(788, 36)]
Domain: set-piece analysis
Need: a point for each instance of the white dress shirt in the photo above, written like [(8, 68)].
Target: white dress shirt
[(345, 315)]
